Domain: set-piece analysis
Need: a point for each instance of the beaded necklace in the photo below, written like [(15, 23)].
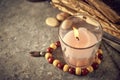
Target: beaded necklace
[(65, 67)]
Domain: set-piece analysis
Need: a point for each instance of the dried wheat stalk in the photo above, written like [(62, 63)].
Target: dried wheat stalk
[(107, 17)]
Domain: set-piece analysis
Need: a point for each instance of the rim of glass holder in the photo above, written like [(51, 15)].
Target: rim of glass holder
[(82, 14)]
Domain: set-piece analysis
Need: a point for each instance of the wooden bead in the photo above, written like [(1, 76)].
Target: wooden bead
[(50, 60), (98, 60), (71, 70), (53, 22), (78, 71), (84, 72), (55, 62), (53, 46), (100, 51), (90, 68), (58, 44), (60, 65), (95, 65), (50, 50), (100, 56), (47, 55), (65, 68)]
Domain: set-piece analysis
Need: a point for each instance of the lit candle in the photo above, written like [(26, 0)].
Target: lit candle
[(79, 57), (79, 40)]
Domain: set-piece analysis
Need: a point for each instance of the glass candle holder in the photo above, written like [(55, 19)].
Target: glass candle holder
[(80, 51)]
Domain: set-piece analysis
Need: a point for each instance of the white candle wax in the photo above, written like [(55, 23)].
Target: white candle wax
[(79, 57)]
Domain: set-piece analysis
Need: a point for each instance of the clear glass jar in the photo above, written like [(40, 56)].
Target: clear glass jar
[(80, 52)]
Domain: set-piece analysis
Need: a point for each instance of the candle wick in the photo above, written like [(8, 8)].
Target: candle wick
[(77, 38)]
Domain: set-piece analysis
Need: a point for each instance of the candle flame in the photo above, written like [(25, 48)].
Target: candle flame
[(76, 33)]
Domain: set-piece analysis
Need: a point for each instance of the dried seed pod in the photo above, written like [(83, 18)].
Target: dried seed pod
[(53, 22), (66, 24), (62, 16)]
